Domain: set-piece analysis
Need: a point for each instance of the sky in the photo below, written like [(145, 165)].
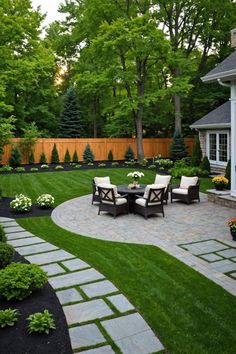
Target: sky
[(49, 7)]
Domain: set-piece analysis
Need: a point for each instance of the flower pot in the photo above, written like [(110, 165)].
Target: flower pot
[(233, 233), (219, 187)]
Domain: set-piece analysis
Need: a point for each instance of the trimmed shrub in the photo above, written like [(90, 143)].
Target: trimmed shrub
[(67, 157), (2, 234), (6, 254), (6, 168), (88, 155), (197, 152), (110, 155), (21, 203), (228, 172), (43, 159), (205, 164), (20, 169), (31, 158), (177, 172), (16, 157), (129, 154), (54, 155), (8, 317), (45, 201), (41, 322), (178, 148), (75, 158), (19, 280)]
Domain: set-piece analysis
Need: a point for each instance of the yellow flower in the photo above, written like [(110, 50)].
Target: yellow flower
[(220, 180)]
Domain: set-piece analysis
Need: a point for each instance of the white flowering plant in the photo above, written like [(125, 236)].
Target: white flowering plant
[(21, 203), (136, 175), (45, 201)]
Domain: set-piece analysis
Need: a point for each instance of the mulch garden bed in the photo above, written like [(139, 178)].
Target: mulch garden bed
[(16, 340), (7, 212)]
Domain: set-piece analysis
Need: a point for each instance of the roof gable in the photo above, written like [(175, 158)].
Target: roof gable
[(226, 70), (219, 116)]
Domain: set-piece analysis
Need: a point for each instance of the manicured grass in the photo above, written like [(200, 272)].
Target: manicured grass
[(190, 313), (67, 185)]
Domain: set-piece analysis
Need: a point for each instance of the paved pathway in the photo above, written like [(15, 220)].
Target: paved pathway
[(97, 314), (196, 234)]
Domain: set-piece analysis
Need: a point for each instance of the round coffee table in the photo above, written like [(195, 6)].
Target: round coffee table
[(123, 189)]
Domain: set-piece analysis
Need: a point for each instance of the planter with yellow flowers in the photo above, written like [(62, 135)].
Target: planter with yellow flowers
[(220, 183)]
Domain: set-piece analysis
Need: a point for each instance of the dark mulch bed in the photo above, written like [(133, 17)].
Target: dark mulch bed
[(7, 212), (16, 340)]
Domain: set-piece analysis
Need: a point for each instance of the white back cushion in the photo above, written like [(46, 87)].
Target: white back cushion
[(160, 179), (148, 186), (188, 181), (98, 180)]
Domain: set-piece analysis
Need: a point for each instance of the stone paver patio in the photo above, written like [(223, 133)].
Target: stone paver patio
[(192, 233)]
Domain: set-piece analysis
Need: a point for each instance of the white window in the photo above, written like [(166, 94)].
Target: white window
[(218, 147)]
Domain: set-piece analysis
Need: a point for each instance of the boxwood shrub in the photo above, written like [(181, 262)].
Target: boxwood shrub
[(6, 254), (19, 280), (2, 234)]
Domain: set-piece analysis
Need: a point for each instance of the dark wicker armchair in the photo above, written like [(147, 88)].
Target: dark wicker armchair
[(95, 182), (151, 203), (187, 191), (111, 202), (164, 179)]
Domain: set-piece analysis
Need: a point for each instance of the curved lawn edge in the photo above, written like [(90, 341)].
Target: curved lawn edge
[(189, 312)]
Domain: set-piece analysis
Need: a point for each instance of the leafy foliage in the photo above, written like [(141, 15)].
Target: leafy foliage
[(2, 234), (7, 128), (29, 139), (67, 157), (18, 280), (41, 322), (88, 155), (8, 317), (45, 201), (21, 203), (16, 157), (177, 172), (129, 154), (55, 155), (6, 254), (197, 152)]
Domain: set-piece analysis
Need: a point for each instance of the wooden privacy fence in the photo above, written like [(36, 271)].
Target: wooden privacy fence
[(100, 147)]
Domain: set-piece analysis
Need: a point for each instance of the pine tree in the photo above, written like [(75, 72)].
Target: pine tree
[(178, 148), (70, 123), (129, 154), (75, 158), (197, 153), (67, 157), (31, 158), (55, 155), (16, 157), (110, 155), (43, 159), (88, 155), (228, 172)]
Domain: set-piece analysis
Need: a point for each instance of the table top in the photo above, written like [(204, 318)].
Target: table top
[(123, 188)]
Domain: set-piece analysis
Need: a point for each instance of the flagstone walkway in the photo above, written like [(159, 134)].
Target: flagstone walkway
[(196, 234), (101, 320)]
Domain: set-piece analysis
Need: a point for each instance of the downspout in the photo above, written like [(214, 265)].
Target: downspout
[(223, 83)]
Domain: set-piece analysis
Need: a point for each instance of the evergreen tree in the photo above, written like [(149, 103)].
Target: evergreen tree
[(129, 154), (110, 155), (228, 172), (197, 153), (55, 155), (178, 148), (16, 157), (31, 158), (88, 155), (43, 158), (75, 158), (70, 124), (67, 157), (205, 164)]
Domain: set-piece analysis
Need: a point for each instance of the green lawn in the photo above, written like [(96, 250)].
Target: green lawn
[(188, 312)]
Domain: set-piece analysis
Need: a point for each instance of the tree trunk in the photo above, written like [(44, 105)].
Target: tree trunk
[(178, 115), (139, 132)]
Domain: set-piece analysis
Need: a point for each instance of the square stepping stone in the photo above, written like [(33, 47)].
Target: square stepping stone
[(229, 253), (121, 303), (211, 257), (98, 289), (42, 247), (18, 235), (101, 350), (25, 241), (53, 269), (85, 336), (224, 266), (86, 311), (75, 278), (49, 257), (10, 223), (13, 229), (68, 295), (75, 264), (132, 334), (204, 247)]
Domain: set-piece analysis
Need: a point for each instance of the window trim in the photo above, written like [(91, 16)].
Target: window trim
[(217, 132)]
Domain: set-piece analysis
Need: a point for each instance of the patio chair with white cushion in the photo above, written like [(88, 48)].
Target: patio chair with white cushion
[(164, 179), (111, 201), (188, 190), (95, 182), (152, 201)]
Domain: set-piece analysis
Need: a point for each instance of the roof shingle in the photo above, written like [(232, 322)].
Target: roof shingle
[(220, 115)]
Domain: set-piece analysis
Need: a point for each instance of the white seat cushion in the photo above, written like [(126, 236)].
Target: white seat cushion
[(149, 186), (180, 191), (119, 201), (108, 185), (188, 181), (98, 180), (160, 179), (142, 202)]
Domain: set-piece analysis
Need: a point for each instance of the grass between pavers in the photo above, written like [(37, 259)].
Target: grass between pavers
[(188, 312), (67, 185)]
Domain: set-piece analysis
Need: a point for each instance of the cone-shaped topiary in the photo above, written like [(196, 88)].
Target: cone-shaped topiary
[(205, 164), (67, 156), (43, 158), (31, 158), (228, 172), (197, 152), (55, 155), (129, 154), (75, 158), (88, 155), (2, 234), (110, 155), (178, 148), (16, 157)]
